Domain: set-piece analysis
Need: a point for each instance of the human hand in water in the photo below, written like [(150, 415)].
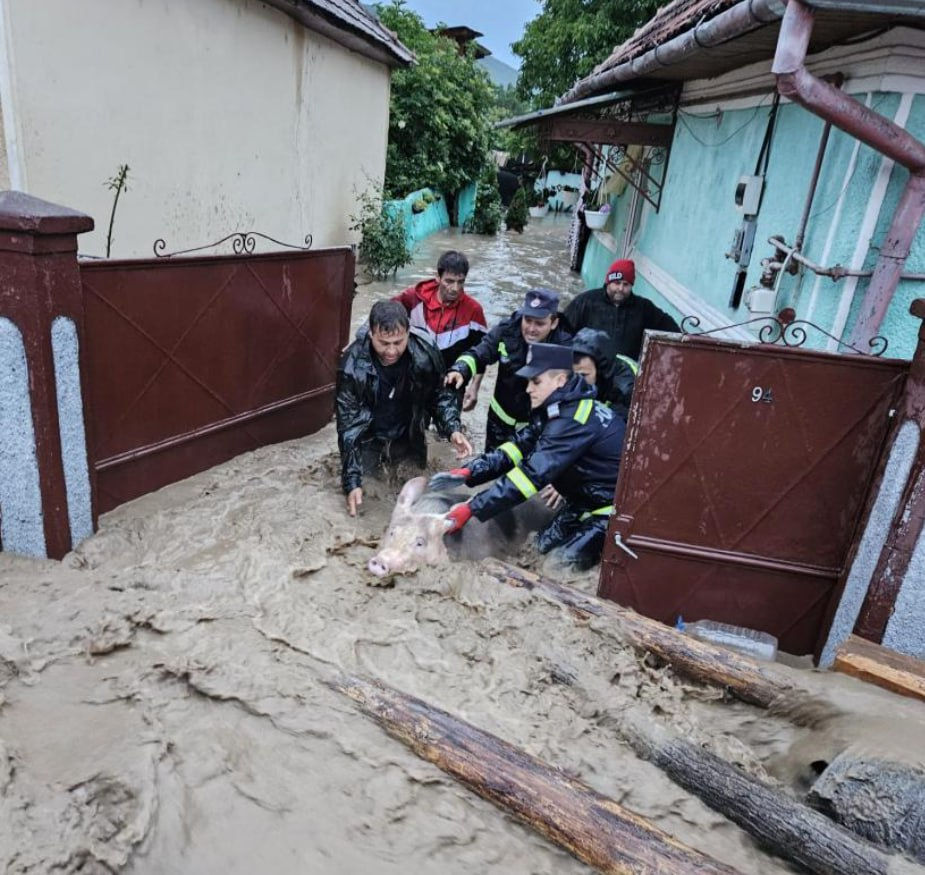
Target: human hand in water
[(354, 500), (454, 379), (461, 445), (551, 497)]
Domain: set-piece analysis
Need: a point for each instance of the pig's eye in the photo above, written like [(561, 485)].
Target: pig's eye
[(420, 542)]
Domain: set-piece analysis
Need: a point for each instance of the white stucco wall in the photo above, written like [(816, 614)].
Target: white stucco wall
[(230, 115)]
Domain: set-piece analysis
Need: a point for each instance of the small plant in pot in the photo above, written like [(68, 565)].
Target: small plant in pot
[(568, 196), (539, 204), (419, 205), (597, 219)]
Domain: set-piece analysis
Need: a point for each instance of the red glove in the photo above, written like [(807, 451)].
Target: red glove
[(460, 472), (457, 517)]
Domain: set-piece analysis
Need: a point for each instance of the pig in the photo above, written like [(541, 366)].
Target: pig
[(417, 536)]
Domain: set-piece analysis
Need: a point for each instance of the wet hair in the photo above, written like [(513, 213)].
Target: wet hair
[(388, 316), (453, 262)]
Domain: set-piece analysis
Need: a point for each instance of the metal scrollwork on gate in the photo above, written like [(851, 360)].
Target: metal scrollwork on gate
[(784, 328), (242, 243)]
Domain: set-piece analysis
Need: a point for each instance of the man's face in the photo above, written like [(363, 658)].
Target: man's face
[(450, 287), (535, 329), (389, 346), (540, 387), (619, 290), (586, 367)]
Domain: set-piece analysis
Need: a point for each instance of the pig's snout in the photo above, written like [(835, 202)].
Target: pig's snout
[(377, 567)]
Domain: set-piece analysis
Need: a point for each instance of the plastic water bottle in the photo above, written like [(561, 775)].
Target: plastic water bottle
[(751, 642)]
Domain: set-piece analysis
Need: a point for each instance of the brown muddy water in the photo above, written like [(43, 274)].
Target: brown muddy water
[(163, 711)]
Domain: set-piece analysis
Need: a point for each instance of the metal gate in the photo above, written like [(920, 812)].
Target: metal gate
[(190, 361), (744, 475)]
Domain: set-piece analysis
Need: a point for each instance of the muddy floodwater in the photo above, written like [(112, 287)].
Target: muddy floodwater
[(163, 706)]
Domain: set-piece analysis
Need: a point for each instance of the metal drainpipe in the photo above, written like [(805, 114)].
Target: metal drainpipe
[(796, 83)]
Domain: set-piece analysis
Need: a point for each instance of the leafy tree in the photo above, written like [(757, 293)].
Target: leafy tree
[(571, 37), (516, 218), (486, 216), (441, 111)]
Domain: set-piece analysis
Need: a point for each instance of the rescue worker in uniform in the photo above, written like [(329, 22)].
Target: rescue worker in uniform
[(613, 377), (572, 442), (389, 382), (507, 343), (614, 309)]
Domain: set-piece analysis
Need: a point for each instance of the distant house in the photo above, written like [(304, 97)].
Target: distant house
[(501, 74), (231, 114), (673, 124)]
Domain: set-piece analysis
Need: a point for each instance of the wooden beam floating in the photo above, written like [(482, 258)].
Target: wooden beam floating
[(881, 666), (758, 683), (596, 829), (606, 132)]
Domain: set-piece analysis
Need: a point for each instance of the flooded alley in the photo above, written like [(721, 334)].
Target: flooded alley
[(163, 697)]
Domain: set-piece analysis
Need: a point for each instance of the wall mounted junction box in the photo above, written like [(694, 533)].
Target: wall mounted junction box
[(748, 194)]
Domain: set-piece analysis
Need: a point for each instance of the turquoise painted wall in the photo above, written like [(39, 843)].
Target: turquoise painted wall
[(420, 225), (691, 233), (465, 203)]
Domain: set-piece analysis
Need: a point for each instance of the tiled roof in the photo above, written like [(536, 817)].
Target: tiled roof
[(348, 17)]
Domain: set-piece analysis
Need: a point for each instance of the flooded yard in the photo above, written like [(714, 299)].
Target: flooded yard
[(163, 706)]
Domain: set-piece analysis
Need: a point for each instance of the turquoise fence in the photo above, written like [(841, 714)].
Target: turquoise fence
[(434, 217), (465, 203)]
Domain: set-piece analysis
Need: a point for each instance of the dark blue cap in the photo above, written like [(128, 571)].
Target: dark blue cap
[(543, 357), (541, 303)]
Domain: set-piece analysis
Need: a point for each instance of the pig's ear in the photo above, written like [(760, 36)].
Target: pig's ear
[(411, 492)]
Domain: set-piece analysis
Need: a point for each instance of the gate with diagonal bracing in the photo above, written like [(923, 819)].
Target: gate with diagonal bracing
[(190, 361), (745, 474)]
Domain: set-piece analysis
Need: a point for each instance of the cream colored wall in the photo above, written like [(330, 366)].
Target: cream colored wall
[(230, 115), (4, 161)]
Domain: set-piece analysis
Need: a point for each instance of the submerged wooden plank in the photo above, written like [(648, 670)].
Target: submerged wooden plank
[(879, 665)]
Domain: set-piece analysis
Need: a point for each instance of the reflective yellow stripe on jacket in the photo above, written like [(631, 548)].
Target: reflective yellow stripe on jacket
[(512, 452), (601, 511), (522, 482), (503, 415), (470, 361), (632, 364), (585, 406)]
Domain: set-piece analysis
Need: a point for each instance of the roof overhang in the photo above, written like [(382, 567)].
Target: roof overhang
[(702, 39), (347, 23)]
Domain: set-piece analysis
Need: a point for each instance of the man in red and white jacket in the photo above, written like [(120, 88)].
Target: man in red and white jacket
[(454, 320)]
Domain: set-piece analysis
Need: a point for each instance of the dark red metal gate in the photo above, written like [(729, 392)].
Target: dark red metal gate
[(745, 473), (191, 361)]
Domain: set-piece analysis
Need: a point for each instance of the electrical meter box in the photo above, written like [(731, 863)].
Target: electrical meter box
[(748, 194)]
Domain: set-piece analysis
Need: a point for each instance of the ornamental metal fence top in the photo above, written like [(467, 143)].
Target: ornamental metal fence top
[(786, 329), (242, 243)]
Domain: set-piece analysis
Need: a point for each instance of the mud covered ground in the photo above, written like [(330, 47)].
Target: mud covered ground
[(162, 705), (164, 712)]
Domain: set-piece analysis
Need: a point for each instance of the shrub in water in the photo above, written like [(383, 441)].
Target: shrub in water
[(486, 217), (516, 218)]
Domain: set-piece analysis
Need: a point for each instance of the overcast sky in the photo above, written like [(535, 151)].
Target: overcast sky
[(501, 21)]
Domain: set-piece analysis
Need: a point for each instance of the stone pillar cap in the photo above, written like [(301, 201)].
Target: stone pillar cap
[(31, 215)]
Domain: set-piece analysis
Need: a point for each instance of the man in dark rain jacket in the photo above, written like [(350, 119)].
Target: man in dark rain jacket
[(388, 381), (572, 442), (507, 342), (613, 377), (613, 308)]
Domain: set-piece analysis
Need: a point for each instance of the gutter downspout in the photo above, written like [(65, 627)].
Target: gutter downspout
[(796, 83)]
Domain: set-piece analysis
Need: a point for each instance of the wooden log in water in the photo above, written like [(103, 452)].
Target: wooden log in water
[(780, 823), (594, 828), (748, 679)]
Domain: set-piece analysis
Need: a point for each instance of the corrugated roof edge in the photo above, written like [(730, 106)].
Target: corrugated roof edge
[(347, 23)]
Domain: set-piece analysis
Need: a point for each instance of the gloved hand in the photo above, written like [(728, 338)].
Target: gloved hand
[(448, 479), (457, 517)]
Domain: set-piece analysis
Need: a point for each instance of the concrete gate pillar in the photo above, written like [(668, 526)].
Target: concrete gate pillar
[(46, 495)]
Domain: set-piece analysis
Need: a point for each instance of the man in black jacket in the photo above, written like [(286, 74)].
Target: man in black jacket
[(388, 382), (536, 322), (615, 310), (572, 442)]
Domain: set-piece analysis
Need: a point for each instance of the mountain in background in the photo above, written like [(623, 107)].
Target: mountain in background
[(500, 73)]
